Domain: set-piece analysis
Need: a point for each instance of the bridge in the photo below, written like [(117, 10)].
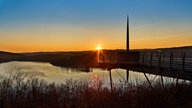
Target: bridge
[(169, 63), (177, 64)]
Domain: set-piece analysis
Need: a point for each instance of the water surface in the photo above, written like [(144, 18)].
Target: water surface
[(57, 74)]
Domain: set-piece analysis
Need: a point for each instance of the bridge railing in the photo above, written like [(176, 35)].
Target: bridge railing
[(178, 60)]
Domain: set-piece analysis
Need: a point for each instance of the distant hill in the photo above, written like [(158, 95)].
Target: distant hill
[(7, 53), (71, 59), (8, 56), (182, 48)]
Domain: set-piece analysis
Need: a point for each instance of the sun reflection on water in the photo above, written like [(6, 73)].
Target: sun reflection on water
[(95, 81)]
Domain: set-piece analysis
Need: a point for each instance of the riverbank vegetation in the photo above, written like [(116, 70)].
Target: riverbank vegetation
[(21, 91)]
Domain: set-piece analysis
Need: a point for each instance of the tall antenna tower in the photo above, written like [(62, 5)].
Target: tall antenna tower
[(127, 47)]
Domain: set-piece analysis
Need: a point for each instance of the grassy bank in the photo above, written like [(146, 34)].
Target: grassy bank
[(19, 91)]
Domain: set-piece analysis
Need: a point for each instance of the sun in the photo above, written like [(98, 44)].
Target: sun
[(98, 47)]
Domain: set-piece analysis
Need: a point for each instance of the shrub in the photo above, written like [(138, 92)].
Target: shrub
[(21, 91)]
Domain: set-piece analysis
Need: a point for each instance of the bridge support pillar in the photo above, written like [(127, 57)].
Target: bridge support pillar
[(127, 75), (162, 82), (148, 80), (111, 81)]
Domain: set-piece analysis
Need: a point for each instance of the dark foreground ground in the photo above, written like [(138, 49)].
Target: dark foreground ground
[(18, 92)]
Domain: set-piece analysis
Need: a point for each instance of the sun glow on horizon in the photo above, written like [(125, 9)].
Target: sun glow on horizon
[(99, 47)]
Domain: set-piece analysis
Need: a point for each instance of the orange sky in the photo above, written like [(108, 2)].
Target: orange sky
[(32, 26), (61, 38)]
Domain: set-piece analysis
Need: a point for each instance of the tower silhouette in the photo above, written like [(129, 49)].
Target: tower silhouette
[(127, 43)]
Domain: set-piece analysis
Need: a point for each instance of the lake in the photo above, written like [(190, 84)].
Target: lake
[(57, 74)]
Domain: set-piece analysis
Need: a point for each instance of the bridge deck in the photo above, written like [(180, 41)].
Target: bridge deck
[(176, 64)]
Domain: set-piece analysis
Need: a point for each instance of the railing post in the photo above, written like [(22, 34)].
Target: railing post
[(171, 60), (163, 53), (143, 58), (151, 58), (183, 60), (103, 58), (159, 59), (110, 58)]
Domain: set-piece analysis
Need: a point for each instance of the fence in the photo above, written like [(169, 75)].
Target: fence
[(173, 60)]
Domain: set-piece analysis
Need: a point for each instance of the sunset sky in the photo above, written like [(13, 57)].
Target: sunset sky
[(73, 25)]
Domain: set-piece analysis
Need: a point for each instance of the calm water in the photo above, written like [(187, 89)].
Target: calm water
[(56, 74)]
